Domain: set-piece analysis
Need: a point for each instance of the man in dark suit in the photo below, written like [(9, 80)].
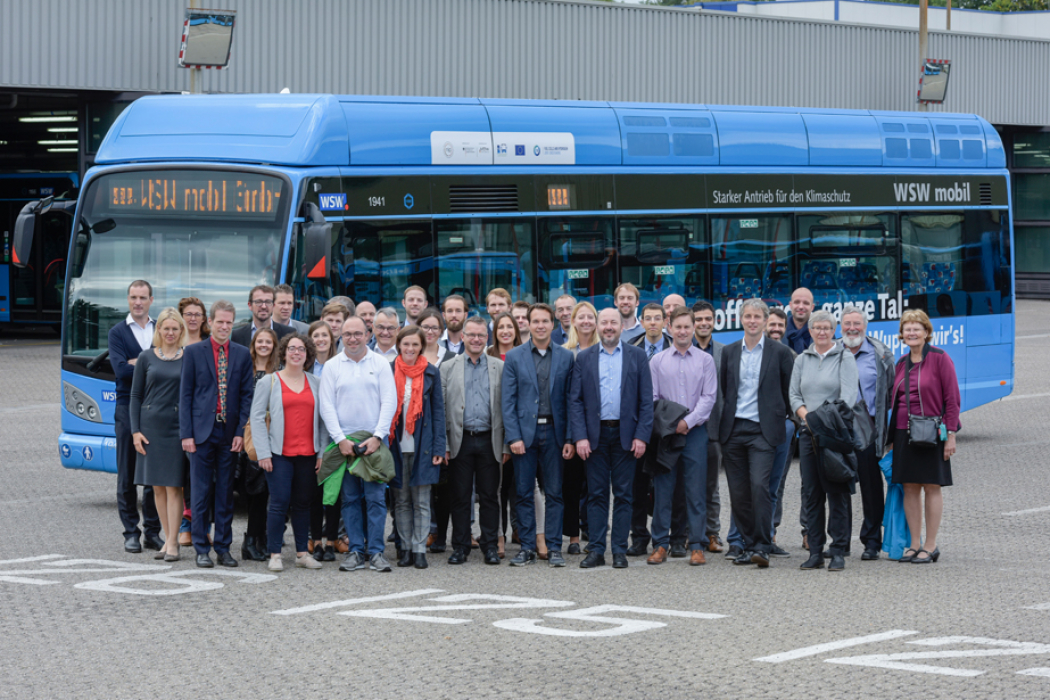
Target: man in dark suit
[(215, 402), (611, 413), (260, 302), (536, 427), (755, 376), (126, 340)]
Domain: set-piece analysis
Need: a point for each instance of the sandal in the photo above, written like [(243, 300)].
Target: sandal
[(906, 559), (928, 560)]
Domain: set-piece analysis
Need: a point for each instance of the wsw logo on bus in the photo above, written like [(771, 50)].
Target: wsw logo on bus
[(920, 192)]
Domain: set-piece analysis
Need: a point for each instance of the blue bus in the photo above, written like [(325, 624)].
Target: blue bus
[(364, 196), (31, 287)]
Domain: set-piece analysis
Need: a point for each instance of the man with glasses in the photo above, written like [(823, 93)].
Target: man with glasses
[(472, 386), (260, 302), (385, 326), (284, 305), (358, 393)]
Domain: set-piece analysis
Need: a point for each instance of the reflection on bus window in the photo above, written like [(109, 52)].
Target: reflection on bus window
[(379, 260), (663, 256), (577, 256), (477, 255), (849, 258), (751, 257)]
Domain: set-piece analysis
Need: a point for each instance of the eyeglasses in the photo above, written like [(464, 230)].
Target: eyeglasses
[(385, 329), (476, 336), (821, 329), (193, 315), (430, 329), (354, 334), (263, 302), (297, 349)]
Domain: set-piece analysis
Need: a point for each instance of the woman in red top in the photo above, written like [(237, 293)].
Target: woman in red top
[(289, 450), (925, 385)]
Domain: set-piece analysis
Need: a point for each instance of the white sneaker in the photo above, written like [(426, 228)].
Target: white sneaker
[(307, 562), (276, 564)]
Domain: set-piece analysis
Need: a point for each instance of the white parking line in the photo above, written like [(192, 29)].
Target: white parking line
[(1041, 509), (817, 649), (355, 601)]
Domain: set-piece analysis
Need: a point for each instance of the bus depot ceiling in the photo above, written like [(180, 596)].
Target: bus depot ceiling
[(524, 49)]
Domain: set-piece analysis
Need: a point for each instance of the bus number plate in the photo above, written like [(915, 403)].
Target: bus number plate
[(847, 262), (663, 270), (578, 274)]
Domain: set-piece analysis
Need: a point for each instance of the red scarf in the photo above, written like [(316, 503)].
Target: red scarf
[(415, 405)]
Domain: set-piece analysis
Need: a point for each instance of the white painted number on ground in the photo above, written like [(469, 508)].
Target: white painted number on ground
[(180, 580), (466, 601)]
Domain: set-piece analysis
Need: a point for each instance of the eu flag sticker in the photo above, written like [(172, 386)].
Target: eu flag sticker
[(519, 150)]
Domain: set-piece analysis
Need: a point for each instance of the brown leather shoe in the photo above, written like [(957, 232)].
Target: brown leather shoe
[(185, 539), (342, 545), (310, 546), (430, 539), (713, 545), (805, 542), (659, 556), (696, 557)]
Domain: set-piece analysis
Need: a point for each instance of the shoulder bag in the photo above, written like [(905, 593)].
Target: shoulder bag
[(923, 431), (249, 444)]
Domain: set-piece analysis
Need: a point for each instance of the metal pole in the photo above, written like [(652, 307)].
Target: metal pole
[(923, 41), (948, 21), (195, 76)]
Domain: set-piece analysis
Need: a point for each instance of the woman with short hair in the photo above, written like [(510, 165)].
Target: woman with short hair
[(925, 385), (154, 417), (825, 371), (290, 448)]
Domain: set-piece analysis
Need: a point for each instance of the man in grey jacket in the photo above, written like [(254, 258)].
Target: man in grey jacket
[(875, 368)]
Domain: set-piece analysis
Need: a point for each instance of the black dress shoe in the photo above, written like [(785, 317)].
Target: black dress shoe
[(744, 559), (838, 563), (225, 559), (405, 558), (777, 551), (436, 548), (205, 562), (592, 561), (132, 544), (734, 552), (492, 556), (458, 557), (619, 561), (555, 559), (638, 549), (329, 553), (421, 561), (760, 558), (815, 561), (870, 555), (678, 551), (829, 555), (251, 551), (574, 548), (154, 542)]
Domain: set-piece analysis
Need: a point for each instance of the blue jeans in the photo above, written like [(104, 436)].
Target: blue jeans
[(609, 462), (693, 465), (356, 491), (543, 456), (291, 484), (781, 458)]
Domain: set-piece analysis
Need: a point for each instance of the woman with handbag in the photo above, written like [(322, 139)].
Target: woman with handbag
[(925, 403), (417, 441), (154, 415), (289, 448), (825, 371), (253, 480)]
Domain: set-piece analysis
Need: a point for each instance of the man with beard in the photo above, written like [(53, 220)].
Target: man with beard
[(454, 311), (797, 335), (875, 367)]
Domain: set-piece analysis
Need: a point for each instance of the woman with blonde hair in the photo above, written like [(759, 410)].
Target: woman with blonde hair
[(925, 386), (154, 416), (583, 327)]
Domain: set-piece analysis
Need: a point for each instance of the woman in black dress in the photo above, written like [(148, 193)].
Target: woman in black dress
[(264, 361), (154, 414)]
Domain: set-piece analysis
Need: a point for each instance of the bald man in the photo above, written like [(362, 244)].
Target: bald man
[(672, 302), (797, 336)]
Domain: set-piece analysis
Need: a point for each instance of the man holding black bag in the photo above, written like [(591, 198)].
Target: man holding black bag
[(875, 371)]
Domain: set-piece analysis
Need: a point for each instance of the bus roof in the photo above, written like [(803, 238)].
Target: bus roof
[(338, 130)]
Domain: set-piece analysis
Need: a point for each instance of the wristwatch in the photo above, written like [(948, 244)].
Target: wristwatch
[(951, 432)]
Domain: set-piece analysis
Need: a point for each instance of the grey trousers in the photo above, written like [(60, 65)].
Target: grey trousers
[(412, 510), (714, 501)]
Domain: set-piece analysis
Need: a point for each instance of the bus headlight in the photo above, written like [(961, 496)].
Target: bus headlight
[(79, 404)]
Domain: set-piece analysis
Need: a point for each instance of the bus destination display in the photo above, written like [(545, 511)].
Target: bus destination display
[(188, 192)]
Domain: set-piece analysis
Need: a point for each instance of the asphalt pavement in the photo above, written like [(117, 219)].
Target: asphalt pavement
[(79, 618)]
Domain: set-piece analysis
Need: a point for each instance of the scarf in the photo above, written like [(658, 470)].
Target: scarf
[(415, 405)]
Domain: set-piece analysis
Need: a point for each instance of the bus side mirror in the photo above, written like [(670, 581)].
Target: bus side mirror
[(25, 226), (317, 241)]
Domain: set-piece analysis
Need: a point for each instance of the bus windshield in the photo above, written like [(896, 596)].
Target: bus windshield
[(212, 235)]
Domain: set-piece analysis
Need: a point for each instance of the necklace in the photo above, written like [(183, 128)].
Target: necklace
[(161, 355)]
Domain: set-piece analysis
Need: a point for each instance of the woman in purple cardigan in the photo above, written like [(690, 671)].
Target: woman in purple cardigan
[(932, 389)]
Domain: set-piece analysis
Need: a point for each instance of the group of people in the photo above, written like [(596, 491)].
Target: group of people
[(545, 422)]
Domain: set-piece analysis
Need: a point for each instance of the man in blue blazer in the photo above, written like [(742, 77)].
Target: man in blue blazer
[(611, 414), (215, 403), (126, 340), (535, 401)]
